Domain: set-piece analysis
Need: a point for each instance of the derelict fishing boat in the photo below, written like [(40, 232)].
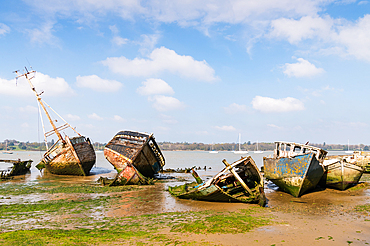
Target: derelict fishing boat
[(237, 182), (10, 168), (341, 172), (295, 168), (135, 155), (67, 156), (362, 159)]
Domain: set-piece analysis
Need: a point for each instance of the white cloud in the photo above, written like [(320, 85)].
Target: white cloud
[(155, 87), (302, 68), (94, 116), (168, 119), (148, 43), (28, 109), (117, 40), (275, 126), (20, 87), (269, 105), (161, 60), (225, 128), (98, 84), (235, 108), (308, 27), (4, 29), (165, 103), (118, 118), (43, 34), (73, 117)]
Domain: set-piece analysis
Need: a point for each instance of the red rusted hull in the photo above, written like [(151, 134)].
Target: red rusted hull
[(129, 151)]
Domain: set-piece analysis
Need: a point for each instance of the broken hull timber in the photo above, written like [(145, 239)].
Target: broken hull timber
[(341, 174), (135, 156), (363, 159), (295, 175), (75, 157), (19, 168), (224, 187)]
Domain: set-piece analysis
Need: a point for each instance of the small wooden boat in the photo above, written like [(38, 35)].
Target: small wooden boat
[(362, 159), (68, 156), (10, 168), (295, 168), (237, 182), (340, 172), (135, 156)]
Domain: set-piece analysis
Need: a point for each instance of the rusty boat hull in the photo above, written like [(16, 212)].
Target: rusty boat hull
[(341, 174), (74, 157), (224, 187), (135, 156), (18, 167), (295, 172)]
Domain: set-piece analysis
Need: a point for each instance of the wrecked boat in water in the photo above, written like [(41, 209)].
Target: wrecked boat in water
[(10, 168), (67, 156), (237, 182), (295, 168), (341, 172), (362, 159), (136, 157)]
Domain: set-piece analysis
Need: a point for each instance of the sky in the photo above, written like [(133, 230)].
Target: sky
[(189, 71)]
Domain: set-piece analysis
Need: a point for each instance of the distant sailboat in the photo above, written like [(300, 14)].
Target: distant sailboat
[(348, 151), (6, 148), (240, 151), (258, 151), (212, 151)]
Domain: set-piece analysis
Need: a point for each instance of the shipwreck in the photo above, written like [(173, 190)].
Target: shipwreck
[(67, 156), (135, 156), (341, 172), (240, 181), (295, 168), (10, 168)]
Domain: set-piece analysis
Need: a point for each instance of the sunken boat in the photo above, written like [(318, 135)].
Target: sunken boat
[(67, 156), (341, 172), (295, 168), (240, 181), (10, 168), (135, 156)]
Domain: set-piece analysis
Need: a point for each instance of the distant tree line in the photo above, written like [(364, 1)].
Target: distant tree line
[(178, 146)]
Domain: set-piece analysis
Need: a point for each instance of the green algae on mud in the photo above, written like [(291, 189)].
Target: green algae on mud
[(53, 188)]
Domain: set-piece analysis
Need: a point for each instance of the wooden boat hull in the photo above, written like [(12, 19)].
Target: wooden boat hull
[(363, 159), (128, 150), (18, 168), (75, 157), (341, 174), (294, 175), (222, 187)]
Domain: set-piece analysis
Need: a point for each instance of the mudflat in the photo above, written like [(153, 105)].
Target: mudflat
[(68, 212)]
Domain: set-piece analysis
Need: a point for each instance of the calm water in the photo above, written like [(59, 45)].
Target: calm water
[(174, 160)]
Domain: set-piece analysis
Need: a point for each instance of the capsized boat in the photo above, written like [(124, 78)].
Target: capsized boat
[(341, 172), (295, 168), (67, 156), (135, 156), (237, 182), (10, 168)]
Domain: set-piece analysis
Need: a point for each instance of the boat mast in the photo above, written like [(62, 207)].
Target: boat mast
[(40, 101)]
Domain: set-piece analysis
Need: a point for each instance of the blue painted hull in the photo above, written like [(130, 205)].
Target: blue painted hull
[(294, 175)]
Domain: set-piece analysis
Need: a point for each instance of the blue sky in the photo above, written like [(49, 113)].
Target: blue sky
[(189, 71)]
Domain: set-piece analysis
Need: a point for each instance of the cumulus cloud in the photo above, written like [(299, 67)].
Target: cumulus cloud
[(166, 103), (94, 116), (225, 128), (4, 29), (302, 68), (235, 108), (96, 83), (161, 60), (155, 87), (118, 118), (117, 40), (20, 87), (271, 105), (73, 117)]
